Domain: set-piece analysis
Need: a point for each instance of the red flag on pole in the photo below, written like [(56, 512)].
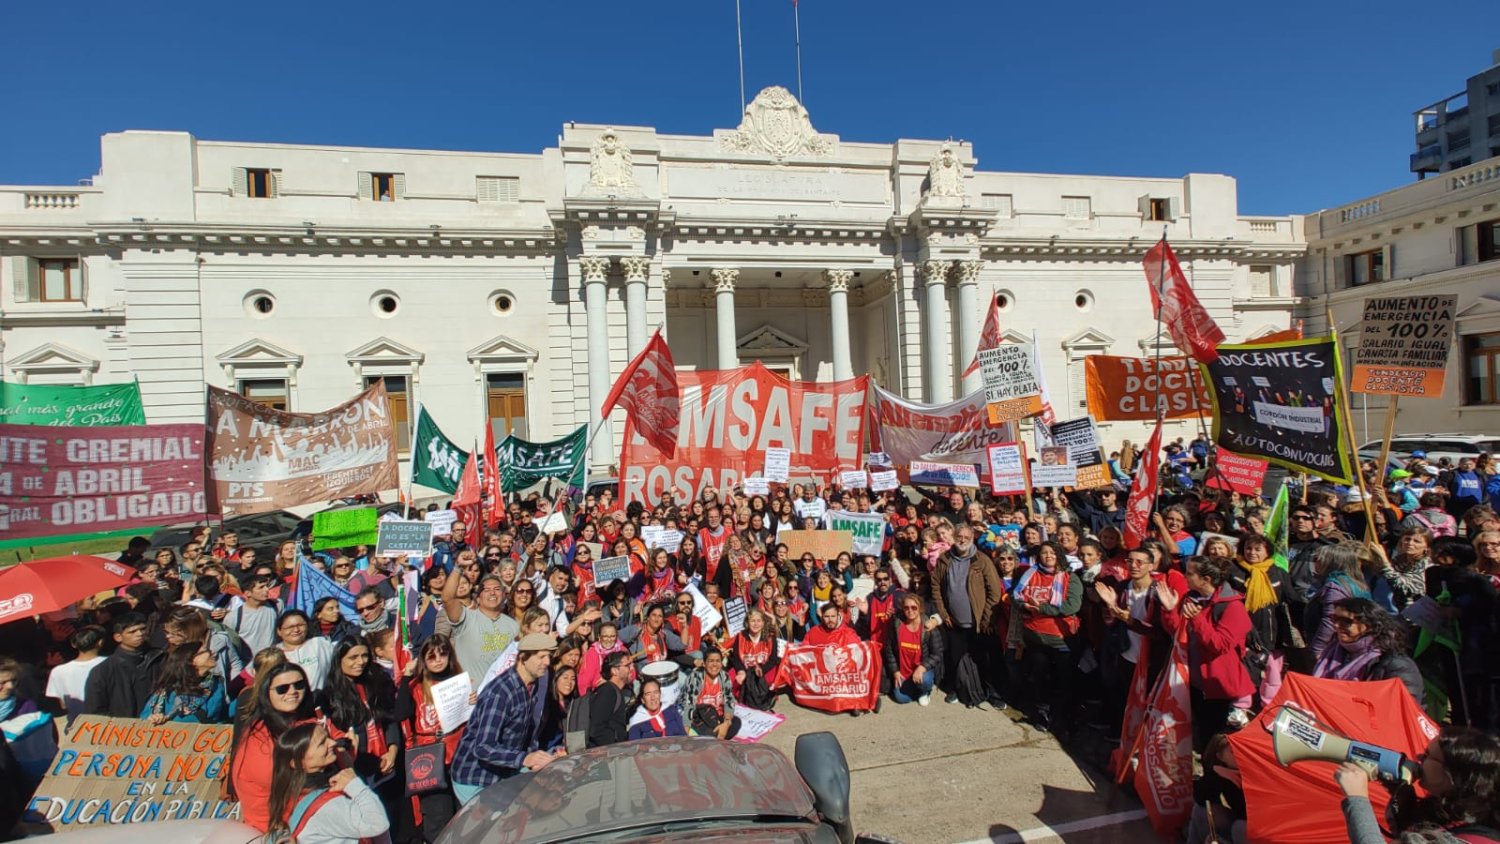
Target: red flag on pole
[(491, 491), (647, 389), (1164, 778), (989, 336), (1143, 491), (466, 499), (1192, 329)]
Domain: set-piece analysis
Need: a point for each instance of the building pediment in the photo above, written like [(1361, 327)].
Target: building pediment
[(502, 349), (54, 357), (775, 124), (773, 340), (1484, 306), (1010, 335), (1089, 338), (258, 352), (385, 350)]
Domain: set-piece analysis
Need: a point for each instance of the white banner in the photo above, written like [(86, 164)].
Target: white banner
[(854, 479), (957, 432), (1306, 419)]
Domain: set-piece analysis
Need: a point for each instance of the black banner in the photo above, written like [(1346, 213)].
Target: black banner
[(1277, 401)]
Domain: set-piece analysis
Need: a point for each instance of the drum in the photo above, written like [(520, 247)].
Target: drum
[(665, 672)]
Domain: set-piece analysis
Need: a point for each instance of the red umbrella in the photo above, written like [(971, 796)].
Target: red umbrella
[(43, 586)]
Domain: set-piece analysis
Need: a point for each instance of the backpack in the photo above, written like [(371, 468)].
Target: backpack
[(310, 803), (1256, 656), (576, 725), (1447, 527), (235, 642)]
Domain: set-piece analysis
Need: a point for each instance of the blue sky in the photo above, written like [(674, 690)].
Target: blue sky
[(1307, 103)]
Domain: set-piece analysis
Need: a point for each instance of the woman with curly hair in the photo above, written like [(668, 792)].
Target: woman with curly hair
[(1369, 644), (188, 689)]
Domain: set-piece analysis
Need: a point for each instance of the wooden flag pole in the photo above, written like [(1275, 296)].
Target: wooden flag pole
[(1341, 399), (1390, 431)]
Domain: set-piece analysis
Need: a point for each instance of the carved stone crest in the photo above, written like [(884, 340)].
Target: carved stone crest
[(610, 166), (945, 177), (777, 125)]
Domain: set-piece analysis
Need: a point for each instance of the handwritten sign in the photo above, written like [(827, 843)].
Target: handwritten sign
[(123, 770), (451, 700), (401, 537), (755, 723), (882, 481), (734, 615), (1011, 388), (708, 615), (554, 522), (1007, 469), (441, 521), (944, 474), (1241, 474), (656, 536), (757, 486), (778, 464), (822, 544), (1403, 345), (854, 479), (610, 569)]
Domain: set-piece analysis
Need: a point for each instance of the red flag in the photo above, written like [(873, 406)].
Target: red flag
[(1192, 329), (1143, 491), (833, 678), (1164, 778), (989, 336), (647, 389), (466, 500), (491, 490)]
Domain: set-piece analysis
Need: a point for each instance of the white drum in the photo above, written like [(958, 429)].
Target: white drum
[(665, 672)]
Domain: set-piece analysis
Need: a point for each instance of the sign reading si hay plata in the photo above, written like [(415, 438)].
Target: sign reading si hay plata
[(1403, 345), (1011, 388), (123, 770)]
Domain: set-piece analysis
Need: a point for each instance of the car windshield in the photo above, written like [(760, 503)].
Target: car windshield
[(658, 782)]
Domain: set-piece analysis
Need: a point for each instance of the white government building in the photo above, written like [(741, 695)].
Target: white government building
[(519, 284)]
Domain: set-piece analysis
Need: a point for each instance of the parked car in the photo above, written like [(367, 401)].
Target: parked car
[(1437, 446), (255, 530), (670, 790)]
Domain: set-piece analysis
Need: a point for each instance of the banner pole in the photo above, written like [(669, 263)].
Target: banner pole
[(1341, 398), (1161, 414), (1390, 431), (585, 456)]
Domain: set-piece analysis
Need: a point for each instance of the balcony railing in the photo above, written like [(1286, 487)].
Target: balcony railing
[(51, 201)]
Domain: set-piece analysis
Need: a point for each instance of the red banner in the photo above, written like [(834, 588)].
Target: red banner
[(1164, 779), (1244, 475), (834, 678), (1143, 492), (728, 420), (59, 481)]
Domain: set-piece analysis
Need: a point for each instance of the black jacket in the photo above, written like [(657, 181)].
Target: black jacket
[(609, 716), (1403, 668), (932, 650), (120, 685)]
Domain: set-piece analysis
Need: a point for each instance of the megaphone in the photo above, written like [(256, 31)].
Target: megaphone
[(1297, 736)]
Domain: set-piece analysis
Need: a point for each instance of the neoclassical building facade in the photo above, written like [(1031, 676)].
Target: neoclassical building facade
[(514, 287)]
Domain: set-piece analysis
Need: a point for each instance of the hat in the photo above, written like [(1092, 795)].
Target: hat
[(1354, 497), (1432, 470), (1419, 453), (1400, 475), (537, 642)]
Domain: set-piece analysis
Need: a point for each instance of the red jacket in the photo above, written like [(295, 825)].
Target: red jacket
[(1216, 648)]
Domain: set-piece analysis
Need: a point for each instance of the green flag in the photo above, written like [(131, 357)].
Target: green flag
[(47, 404), (523, 463), (435, 461), (1277, 528), (343, 528)]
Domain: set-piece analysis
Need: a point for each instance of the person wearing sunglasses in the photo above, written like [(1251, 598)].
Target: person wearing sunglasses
[(373, 615), (280, 698)]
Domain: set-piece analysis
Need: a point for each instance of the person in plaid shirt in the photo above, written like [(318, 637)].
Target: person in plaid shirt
[(500, 739)]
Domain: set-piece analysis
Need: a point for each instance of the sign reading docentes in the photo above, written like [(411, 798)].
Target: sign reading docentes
[(403, 537), (58, 480), (1403, 345), (124, 770)]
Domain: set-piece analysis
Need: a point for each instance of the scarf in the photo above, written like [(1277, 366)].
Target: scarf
[(8, 706), (1408, 576), (1059, 583), (1259, 592), (1348, 662)]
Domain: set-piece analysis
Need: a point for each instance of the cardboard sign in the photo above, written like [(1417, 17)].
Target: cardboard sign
[(734, 615), (778, 464), (1007, 469), (610, 569), (123, 770), (441, 521), (1403, 345), (944, 474), (413, 539), (1081, 439), (1125, 389), (1011, 388), (854, 479), (866, 529), (882, 481), (822, 544), (757, 486), (1244, 475)]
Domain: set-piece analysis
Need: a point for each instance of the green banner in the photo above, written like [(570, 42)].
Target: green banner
[(524, 463), (344, 528), (48, 404), (435, 461)]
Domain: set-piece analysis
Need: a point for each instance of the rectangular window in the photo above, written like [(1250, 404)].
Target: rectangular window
[(1077, 208), (59, 280), (400, 401), (1000, 203), (383, 187), (271, 392), (258, 183), (1481, 368), (1262, 280), (506, 394), (505, 189), (1494, 123), (1366, 267), (1158, 210), (1487, 240), (1458, 140)]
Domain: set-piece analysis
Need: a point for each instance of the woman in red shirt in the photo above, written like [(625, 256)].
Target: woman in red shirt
[(414, 709), (753, 656), (280, 698)]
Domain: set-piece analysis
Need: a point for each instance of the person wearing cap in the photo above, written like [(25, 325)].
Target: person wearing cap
[(500, 739), (1401, 491)]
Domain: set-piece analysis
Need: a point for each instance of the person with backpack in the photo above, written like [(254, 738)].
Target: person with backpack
[(417, 714), (316, 804), (1431, 517), (188, 624), (609, 704), (253, 615), (1218, 627)]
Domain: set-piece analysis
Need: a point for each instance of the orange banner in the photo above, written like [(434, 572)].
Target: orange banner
[(729, 419), (1122, 389)]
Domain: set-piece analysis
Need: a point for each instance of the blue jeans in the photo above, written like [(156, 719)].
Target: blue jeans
[(465, 792), (909, 690)]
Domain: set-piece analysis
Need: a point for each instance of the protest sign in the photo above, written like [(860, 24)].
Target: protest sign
[(345, 528), (944, 474), (863, 586), (650, 535), (523, 463), (554, 522), (1276, 401), (436, 462), (708, 615), (124, 770), (854, 479), (734, 615), (822, 544), (104, 405), (610, 569), (664, 538), (732, 418), (957, 432), (755, 723), (1007, 469), (778, 464), (1403, 345), (1081, 439), (451, 700), (1129, 389), (1011, 388), (1427, 614), (441, 521), (68, 480), (1054, 474), (757, 486), (882, 481), (262, 459), (413, 539), (833, 678), (814, 509), (866, 529), (1244, 475), (879, 459)]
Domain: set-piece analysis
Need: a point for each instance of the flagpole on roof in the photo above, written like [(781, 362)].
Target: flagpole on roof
[(739, 37), (797, 28), (1161, 285)]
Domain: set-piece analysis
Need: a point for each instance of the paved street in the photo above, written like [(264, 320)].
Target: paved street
[(945, 774)]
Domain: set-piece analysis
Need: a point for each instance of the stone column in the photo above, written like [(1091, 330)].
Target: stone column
[(838, 315), (968, 322), (935, 340), (636, 269), (724, 281), (595, 271)]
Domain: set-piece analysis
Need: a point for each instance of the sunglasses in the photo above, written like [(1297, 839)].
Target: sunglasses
[(288, 688), (368, 607)]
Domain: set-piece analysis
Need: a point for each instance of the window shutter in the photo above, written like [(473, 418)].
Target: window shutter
[(398, 184), (83, 279), (1261, 280), (1144, 204), (240, 182), (1078, 394), (1388, 262), (1174, 208), (275, 183), (366, 190), (487, 189), (22, 276)]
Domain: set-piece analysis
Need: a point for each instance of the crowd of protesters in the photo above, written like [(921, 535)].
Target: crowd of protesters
[(973, 599)]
